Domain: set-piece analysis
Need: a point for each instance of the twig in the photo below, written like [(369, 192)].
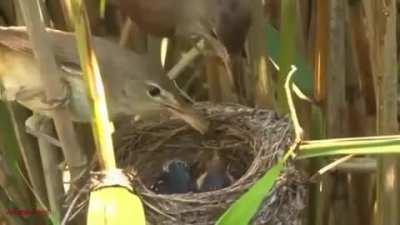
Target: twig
[(157, 210), (358, 165), (299, 93), (331, 166), (125, 33), (183, 93), (292, 109), (71, 206), (186, 59)]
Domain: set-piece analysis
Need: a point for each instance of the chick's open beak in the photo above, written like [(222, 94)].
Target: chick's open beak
[(189, 115)]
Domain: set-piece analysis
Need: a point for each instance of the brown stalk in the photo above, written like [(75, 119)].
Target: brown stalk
[(257, 47), (383, 15), (73, 153), (213, 81), (361, 186), (52, 172), (359, 34), (336, 72), (321, 50)]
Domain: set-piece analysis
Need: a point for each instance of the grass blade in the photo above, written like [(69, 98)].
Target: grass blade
[(242, 211)]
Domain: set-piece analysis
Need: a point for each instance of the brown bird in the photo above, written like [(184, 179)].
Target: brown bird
[(217, 21), (134, 86)]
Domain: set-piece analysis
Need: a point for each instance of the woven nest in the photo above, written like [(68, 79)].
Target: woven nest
[(250, 139)]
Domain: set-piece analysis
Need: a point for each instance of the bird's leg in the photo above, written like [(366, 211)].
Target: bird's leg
[(201, 47), (47, 104), (57, 102), (33, 126)]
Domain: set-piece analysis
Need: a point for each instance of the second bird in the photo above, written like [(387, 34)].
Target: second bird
[(225, 21)]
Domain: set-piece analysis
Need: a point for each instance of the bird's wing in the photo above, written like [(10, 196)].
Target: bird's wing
[(15, 38), (114, 60)]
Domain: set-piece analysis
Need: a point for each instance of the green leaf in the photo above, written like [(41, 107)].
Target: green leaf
[(244, 209), (318, 126), (10, 152), (8, 141), (287, 51), (356, 146)]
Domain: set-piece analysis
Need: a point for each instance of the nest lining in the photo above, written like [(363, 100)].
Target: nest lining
[(250, 139)]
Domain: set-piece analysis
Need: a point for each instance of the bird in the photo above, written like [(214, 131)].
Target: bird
[(224, 24), (133, 85), (176, 178), (215, 176)]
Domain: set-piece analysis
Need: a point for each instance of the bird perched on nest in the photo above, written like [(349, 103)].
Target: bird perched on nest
[(175, 178), (134, 86), (215, 176), (217, 21)]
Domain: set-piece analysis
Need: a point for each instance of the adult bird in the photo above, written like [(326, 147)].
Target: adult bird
[(217, 21), (134, 86)]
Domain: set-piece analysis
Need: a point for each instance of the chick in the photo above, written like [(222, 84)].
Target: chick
[(175, 178), (216, 175)]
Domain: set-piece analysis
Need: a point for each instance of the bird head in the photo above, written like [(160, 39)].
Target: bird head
[(146, 98)]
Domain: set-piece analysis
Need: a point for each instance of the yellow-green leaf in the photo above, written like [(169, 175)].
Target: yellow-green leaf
[(115, 206)]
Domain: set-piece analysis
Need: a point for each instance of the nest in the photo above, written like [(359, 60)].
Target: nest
[(252, 140)]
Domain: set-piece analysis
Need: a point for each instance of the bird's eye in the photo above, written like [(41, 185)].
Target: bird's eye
[(154, 91)]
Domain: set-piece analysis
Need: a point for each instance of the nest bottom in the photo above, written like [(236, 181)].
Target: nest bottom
[(250, 140)]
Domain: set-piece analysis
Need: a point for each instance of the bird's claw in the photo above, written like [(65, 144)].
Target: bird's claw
[(34, 126), (201, 47), (45, 104), (56, 103)]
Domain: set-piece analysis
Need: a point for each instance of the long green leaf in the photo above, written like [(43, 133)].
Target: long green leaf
[(244, 209), (10, 151), (8, 141), (356, 147)]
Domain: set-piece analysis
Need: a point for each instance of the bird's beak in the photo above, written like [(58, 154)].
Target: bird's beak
[(189, 115)]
